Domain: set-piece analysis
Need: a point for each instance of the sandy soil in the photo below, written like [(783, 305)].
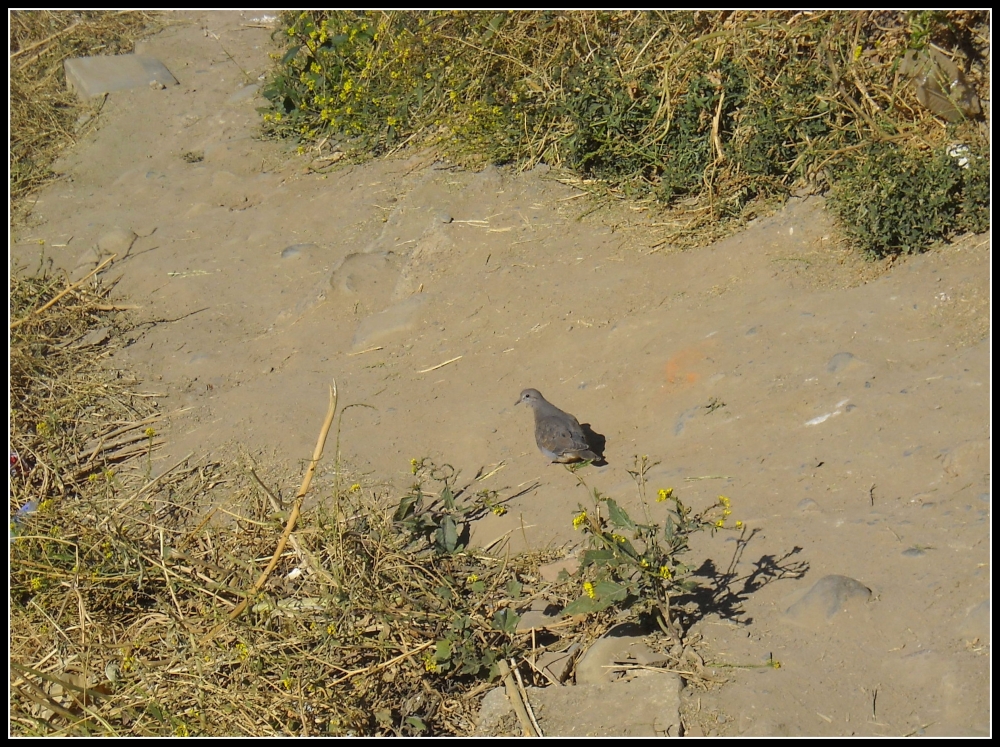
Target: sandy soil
[(842, 406)]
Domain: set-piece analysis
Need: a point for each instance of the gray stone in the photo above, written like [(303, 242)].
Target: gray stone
[(550, 571), (976, 625), (646, 706), (827, 598), (93, 76), (393, 320), (92, 338), (247, 92), (558, 665), (297, 250), (598, 663), (537, 619), (839, 362), (116, 241)]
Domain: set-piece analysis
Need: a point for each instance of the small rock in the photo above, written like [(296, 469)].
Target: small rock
[(296, 250), (443, 217), (828, 597), (535, 619), (550, 572), (558, 664), (625, 709), (244, 93), (116, 241), (94, 337), (839, 362), (976, 624), (597, 663)]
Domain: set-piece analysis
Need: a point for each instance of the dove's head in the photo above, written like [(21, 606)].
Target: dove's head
[(531, 397)]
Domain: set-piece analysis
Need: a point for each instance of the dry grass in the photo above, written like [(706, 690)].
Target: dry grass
[(197, 598), (715, 116)]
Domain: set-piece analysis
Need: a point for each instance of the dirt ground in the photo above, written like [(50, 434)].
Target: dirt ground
[(842, 406)]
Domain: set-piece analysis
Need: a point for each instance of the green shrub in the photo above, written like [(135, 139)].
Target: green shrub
[(712, 114), (898, 200)]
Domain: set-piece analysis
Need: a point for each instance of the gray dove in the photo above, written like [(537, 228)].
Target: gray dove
[(557, 433)]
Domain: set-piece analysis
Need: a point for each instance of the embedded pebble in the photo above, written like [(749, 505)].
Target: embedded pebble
[(828, 597), (839, 362), (296, 250), (116, 241)]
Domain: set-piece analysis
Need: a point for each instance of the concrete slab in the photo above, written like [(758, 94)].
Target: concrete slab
[(646, 706), (93, 76)]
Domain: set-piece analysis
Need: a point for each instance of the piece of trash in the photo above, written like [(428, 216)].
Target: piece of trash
[(940, 85), (960, 152), (22, 513)]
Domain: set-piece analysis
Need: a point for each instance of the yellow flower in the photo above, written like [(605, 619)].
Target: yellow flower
[(430, 665), (739, 524), (719, 524), (644, 563), (579, 519), (35, 583), (499, 510), (355, 487), (42, 428), (727, 512), (618, 538), (108, 474), (93, 477), (414, 466), (181, 730), (472, 579), (724, 502), (300, 150), (331, 629), (588, 589), (666, 573), (150, 432), (662, 494)]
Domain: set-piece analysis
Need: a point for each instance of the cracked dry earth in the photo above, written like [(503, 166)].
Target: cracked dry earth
[(842, 406)]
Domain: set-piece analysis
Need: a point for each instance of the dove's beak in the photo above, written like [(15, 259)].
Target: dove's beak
[(518, 402)]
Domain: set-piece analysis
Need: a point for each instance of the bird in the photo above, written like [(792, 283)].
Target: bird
[(558, 434)]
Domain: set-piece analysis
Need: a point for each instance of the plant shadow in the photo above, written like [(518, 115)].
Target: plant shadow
[(727, 590)]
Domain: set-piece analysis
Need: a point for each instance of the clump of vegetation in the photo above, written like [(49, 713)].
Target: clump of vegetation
[(637, 566), (895, 200), (713, 114)]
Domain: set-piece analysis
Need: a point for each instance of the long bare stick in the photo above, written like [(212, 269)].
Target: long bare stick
[(292, 518), (69, 289)]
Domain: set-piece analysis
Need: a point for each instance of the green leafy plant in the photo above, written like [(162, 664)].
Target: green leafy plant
[(717, 115), (441, 520), (637, 565), (898, 200)]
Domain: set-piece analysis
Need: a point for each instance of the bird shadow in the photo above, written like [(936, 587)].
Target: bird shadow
[(596, 442)]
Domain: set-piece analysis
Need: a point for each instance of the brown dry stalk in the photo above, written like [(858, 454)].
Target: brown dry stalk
[(69, 289), (292, 518)]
